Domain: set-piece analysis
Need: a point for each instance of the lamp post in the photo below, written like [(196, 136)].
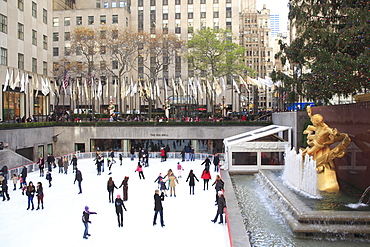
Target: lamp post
[(223, 106)]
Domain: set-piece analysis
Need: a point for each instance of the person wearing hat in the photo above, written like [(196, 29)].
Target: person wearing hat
[(119, 210), (221, 204), (86, 221), (125, 188), (4, 188)]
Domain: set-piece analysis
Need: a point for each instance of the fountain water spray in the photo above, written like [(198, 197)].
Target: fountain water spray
[(300, 175)]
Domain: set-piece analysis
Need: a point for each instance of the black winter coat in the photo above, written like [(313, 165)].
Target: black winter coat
[(111, 187), (30, 191), (221, 203), (24, 172), (78, 176), (119, 205), (158, 202), (191, 179)]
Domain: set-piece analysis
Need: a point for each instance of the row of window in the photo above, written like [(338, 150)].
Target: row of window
[(4, 61), (90, 20), (177, 2), (120, 4)]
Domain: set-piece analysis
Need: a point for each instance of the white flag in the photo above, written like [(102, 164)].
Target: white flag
[(158, 91), (199, 87), (7, 77), (44, 87), (223, 84), (217, 87), (134, 90), (165, 88), (236, 86), (182, 86), (100, 89), (23, 82), (26, 83), (16, 80), (174, 89), (106, 90), (36, 85)]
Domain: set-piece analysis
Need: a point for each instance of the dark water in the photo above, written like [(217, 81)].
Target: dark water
[(266, 226)]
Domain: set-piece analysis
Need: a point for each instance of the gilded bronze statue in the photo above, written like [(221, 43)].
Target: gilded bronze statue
[(320, 137)]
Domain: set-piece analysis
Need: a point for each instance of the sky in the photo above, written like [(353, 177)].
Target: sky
[(277, 7), (187, 217)]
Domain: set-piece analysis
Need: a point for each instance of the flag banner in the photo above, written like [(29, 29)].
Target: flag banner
[(122, 92), (174, 89), (236, 86), (269, 81), (199, 87), (217, 87), (85, 82), (158, 92), (44, 87), (182, 86), (223, 84), (134, 90), (16, 80), (165, 88), (23, 82), (115, 90), (100, 90), (7, 77), (36, 85), (106, 89), (252, 81), (27, 80)]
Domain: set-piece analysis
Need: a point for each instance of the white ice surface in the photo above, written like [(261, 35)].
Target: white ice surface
[(187, 217)]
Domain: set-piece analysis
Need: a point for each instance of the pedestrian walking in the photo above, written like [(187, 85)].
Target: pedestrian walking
[(206, 176), (110, 188), (41, 163), (40, 196), (78, 178), (191, 178), (158, 208), (30, 193), (118, 203), (49, 178), (125, 188), (86, 220), (15, 179), (139, 169), (221, 204)]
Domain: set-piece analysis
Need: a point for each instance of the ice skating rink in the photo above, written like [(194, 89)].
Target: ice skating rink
[(187, 217)]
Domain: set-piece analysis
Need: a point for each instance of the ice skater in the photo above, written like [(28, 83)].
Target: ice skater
[(139, 169), (191, 178), (158, 208), (179, 170), (49, 178), (110, 188), (86, 221), (221, 204), (206, 176), (40, 196), (15, 179), (125, 188), (4, 188), (118, 203), (78, 178), (30, 193)]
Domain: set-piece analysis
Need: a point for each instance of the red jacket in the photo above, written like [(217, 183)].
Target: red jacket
[(206, 175), (163, 152)]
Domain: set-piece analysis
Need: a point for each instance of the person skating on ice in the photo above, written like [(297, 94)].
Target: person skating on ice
[(125, 188), (158, 208), (110, 188), (49, 178), (30, 193), (139, 169), (40, 196), (221, 204), (191, 178), (86, 221), (206, 176), (118, 203), (78, 178)]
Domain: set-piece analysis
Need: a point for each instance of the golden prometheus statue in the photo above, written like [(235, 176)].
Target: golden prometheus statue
[(320, 137)]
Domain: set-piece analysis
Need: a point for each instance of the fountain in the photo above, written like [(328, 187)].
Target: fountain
[(311, 173), (361, 201)]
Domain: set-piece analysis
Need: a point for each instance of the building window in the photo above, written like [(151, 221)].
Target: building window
[(34, 37), (34, 9), (45, 42), (34, 65), (67, 36), (103, 65), (140, 3), (114, 19), (103, 19), (56, 22), (67, 21), (55, 51), (106, 5), (177, 29), (45, 68), (202, 14), (190, 1), (228, 1), (90, 20), (177, 2), (55, 36), (20, 5), (45, 16), (165, 2), (152, 2), (20, 61), (3, 56), (190, 15), (3, 23), (121, 4), (114, 4), (177, 15), (20, 31), (78, 20), (126, 21), (215, 14), (215, 1), (202, 1), (165, 16), (115, 64)]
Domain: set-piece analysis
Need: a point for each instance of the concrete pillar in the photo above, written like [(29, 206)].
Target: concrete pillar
[(125, 145), (195, 145)]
